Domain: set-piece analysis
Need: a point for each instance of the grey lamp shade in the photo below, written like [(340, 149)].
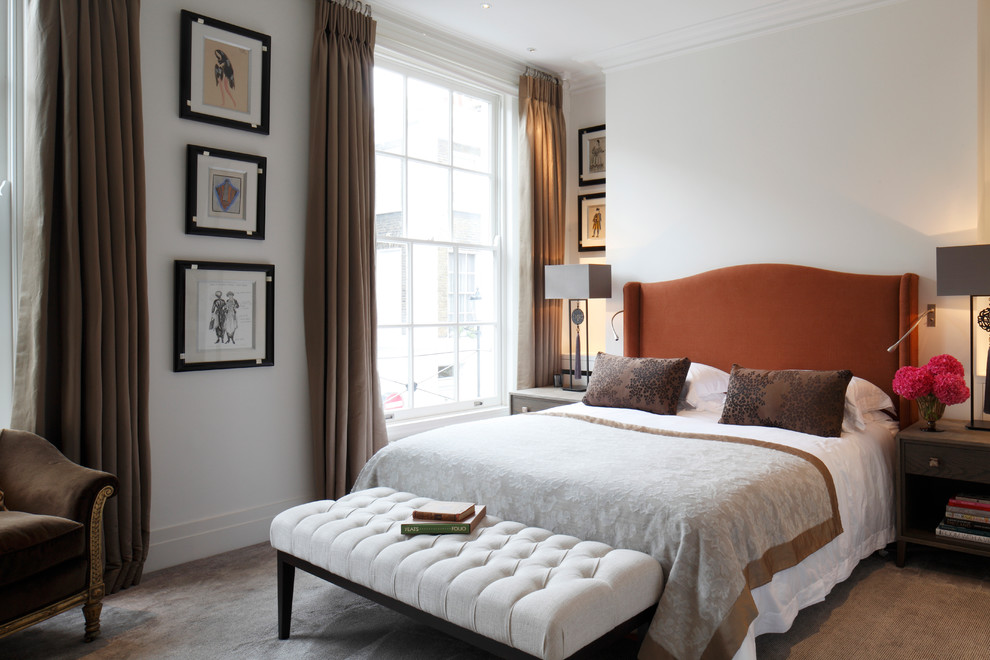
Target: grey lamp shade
[(574, 281), (963, 270)]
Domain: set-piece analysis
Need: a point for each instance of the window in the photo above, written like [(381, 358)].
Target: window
[(439, 263), (10, 168)]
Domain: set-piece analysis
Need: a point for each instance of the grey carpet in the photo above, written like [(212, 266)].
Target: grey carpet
[(224, 607)]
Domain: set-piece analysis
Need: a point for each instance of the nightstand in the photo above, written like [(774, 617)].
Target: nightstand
[(929, 469), (541, 398)]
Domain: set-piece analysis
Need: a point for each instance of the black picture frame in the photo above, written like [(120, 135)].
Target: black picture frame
[(591, 230), (202, 336), (235, 50), (225, 193), (591, 155)]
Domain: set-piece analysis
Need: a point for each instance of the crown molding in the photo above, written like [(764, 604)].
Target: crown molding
[(775, 17), (400, 32)]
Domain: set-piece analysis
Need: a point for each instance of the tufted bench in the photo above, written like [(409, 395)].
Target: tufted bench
[(513, 590)]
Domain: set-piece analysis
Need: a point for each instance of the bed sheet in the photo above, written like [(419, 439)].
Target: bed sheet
[(860, 465)]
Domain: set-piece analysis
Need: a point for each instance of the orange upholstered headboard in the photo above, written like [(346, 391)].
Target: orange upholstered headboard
[(777, 316)]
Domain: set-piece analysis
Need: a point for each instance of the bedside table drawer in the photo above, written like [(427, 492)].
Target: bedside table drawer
[(946, 462), (525, 404)]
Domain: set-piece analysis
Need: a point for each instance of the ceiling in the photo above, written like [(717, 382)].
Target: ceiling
[(579, 39)]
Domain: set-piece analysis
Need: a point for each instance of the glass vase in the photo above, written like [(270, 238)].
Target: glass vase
[(931, 410)]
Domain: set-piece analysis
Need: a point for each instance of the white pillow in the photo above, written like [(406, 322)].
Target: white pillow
[(704, 388), (862, 398)]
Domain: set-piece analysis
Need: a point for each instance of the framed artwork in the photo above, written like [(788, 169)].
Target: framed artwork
[(591, 222), (225, 193), (224, 315), (225, 73), (591, 155)]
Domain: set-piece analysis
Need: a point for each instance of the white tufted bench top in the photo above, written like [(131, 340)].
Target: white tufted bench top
[(545, 594)]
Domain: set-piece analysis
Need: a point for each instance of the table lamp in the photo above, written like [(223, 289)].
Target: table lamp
[(965, 271), (577, 283)]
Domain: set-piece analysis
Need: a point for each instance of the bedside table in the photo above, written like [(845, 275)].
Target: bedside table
[(929, 469), (540, 398)]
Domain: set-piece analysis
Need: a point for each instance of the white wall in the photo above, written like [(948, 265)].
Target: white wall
[(584, 108), (229, 448), (849, 144)]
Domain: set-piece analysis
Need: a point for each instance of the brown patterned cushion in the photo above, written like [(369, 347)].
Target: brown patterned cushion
[(806, 401), (650, 384), (2, 507)]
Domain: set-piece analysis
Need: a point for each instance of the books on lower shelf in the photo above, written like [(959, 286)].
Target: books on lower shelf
[(967, 517), (413, 526)]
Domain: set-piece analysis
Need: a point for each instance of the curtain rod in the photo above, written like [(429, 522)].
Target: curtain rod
[(355, 5), (542, 75)]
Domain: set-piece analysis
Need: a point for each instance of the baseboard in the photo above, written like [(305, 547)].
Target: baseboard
[(178, 544)]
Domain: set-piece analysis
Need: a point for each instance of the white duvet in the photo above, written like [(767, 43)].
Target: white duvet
[(860, 464)]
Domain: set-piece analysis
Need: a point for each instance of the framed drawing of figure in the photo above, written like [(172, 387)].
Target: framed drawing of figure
[(591, 155), (225, 73), (224, 315), (591, 222)]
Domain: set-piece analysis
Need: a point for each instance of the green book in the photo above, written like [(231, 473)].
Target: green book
[(411, 526)]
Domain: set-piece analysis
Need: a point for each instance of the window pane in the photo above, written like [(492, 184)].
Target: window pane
[(476, 285), (431, 284), (391, 281), (472, 208), (429, 202), (393, 368), (429, 122), (389, 119), (388, 197), (477, 362), (472, 133), (433, 366)]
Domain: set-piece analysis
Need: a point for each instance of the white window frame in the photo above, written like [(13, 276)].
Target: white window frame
[(11, 177), (460, 84)]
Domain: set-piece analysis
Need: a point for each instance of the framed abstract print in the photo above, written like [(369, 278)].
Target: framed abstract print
[(224, 315), (591, 222), (225, 73), (225, 193), (591, 155)]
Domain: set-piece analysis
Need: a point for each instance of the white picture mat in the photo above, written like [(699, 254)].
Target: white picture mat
[(204, 193), (200, 32), (250, 289)]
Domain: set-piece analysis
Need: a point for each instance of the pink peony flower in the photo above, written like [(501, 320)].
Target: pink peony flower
[(913, 382), (950, 389), (945, 364)]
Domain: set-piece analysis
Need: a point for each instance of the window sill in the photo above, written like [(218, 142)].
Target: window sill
[(398, 430)]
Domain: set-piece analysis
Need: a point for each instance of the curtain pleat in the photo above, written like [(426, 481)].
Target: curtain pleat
[(81, 376), (348, 421), (543, 114)]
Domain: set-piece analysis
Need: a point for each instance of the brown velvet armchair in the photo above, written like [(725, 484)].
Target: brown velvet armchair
[(51, 534)]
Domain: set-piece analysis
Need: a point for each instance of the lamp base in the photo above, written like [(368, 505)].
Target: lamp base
[(584, 388), (978, 425)]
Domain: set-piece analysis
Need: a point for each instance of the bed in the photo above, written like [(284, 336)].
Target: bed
[(750, 523)]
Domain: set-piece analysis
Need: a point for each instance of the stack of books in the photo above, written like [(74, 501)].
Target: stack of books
[(444, 518), (967, 517)]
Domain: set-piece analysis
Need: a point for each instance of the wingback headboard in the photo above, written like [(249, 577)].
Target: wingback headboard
[(778, 316)]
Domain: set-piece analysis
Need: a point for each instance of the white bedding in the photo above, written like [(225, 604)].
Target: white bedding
[(860, 465)]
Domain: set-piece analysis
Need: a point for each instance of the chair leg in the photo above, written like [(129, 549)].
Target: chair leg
[(286, 580), (92, 613)]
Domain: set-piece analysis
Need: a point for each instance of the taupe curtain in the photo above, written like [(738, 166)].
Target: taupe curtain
[(348, 422), (541, 108), (81, 375)]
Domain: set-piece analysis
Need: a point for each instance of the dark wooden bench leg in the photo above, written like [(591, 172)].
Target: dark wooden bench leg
[(286, 580)]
